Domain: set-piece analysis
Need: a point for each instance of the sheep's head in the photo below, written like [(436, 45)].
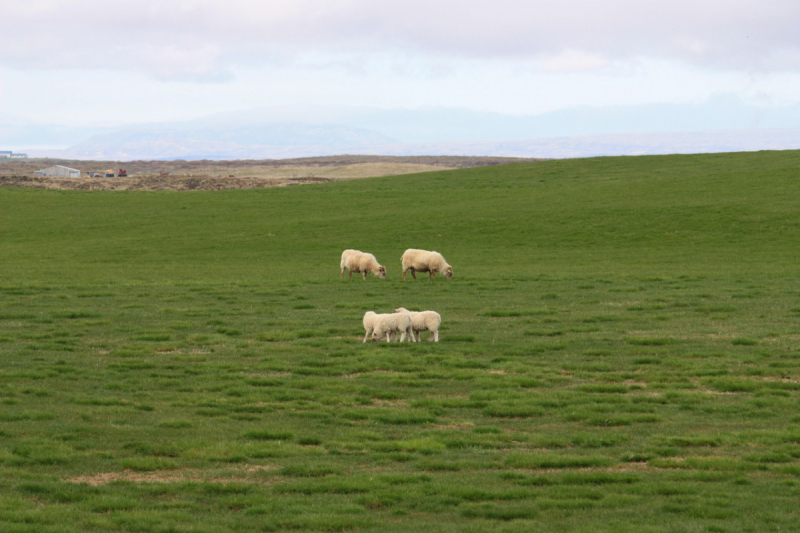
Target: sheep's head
[(382, 272), (401, 310), (448, 272)]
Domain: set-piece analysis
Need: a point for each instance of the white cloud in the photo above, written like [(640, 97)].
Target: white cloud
[(205, 39), (126, 61), (574, 61), (200, 62)]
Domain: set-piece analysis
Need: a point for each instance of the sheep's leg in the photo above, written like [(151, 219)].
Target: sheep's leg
[(413, 274), (388, 338), (364, 274), (435, 335), (369, 332), (411, 332), (341, 275), (351, 273), (403, 336)]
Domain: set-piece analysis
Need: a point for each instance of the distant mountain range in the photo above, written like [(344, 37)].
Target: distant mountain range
[(556, 147), (721, 124)]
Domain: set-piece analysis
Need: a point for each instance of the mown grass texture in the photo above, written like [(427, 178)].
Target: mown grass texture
[(618, 353)]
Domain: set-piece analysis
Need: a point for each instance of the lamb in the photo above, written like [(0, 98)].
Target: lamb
[(423, 321), (424, 261), (391, 323), (356, 261), (370, 318)]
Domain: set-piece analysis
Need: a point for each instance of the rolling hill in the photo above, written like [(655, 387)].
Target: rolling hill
[(618, 352)]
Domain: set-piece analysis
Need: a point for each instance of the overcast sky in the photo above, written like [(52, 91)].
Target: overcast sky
[(124, 61)]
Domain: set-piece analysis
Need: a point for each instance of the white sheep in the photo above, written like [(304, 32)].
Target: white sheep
[(423, 321), (425, 261), (392, 323), (370, 318), (356, 261)]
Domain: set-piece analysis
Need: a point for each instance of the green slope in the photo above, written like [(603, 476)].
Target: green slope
[(619, 353), (690, 213)]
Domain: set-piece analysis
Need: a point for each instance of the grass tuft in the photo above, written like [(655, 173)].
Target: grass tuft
[(268, 435)]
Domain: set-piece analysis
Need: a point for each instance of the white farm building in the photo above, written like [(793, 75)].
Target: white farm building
[(58, 171), (11, 155)]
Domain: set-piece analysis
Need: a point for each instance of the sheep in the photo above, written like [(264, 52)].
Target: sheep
[(423, 321), (387, 324), (424, 261), (356, 261), (370, 317)]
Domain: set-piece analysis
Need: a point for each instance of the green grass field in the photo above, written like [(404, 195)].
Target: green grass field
[(619, 352)]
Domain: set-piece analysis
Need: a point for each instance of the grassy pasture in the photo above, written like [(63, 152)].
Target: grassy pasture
[(619, 353)]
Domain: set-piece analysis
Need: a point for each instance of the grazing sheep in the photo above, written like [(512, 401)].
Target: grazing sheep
[(423, 321), (370, 318), (356, 261), (424, 261), (392, 323)]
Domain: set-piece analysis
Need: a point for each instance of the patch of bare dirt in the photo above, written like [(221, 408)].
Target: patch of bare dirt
[(458, 426), (169, 476), (105, 478), (634, 383), (782, 379)]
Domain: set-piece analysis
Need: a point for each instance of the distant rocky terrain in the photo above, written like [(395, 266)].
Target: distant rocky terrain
[(244, 174)]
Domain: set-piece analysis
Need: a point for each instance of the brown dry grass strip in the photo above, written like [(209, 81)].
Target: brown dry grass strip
[(170, 476)]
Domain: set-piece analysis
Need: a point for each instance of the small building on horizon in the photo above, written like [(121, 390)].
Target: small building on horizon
[(12, 155), (58, 171)]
